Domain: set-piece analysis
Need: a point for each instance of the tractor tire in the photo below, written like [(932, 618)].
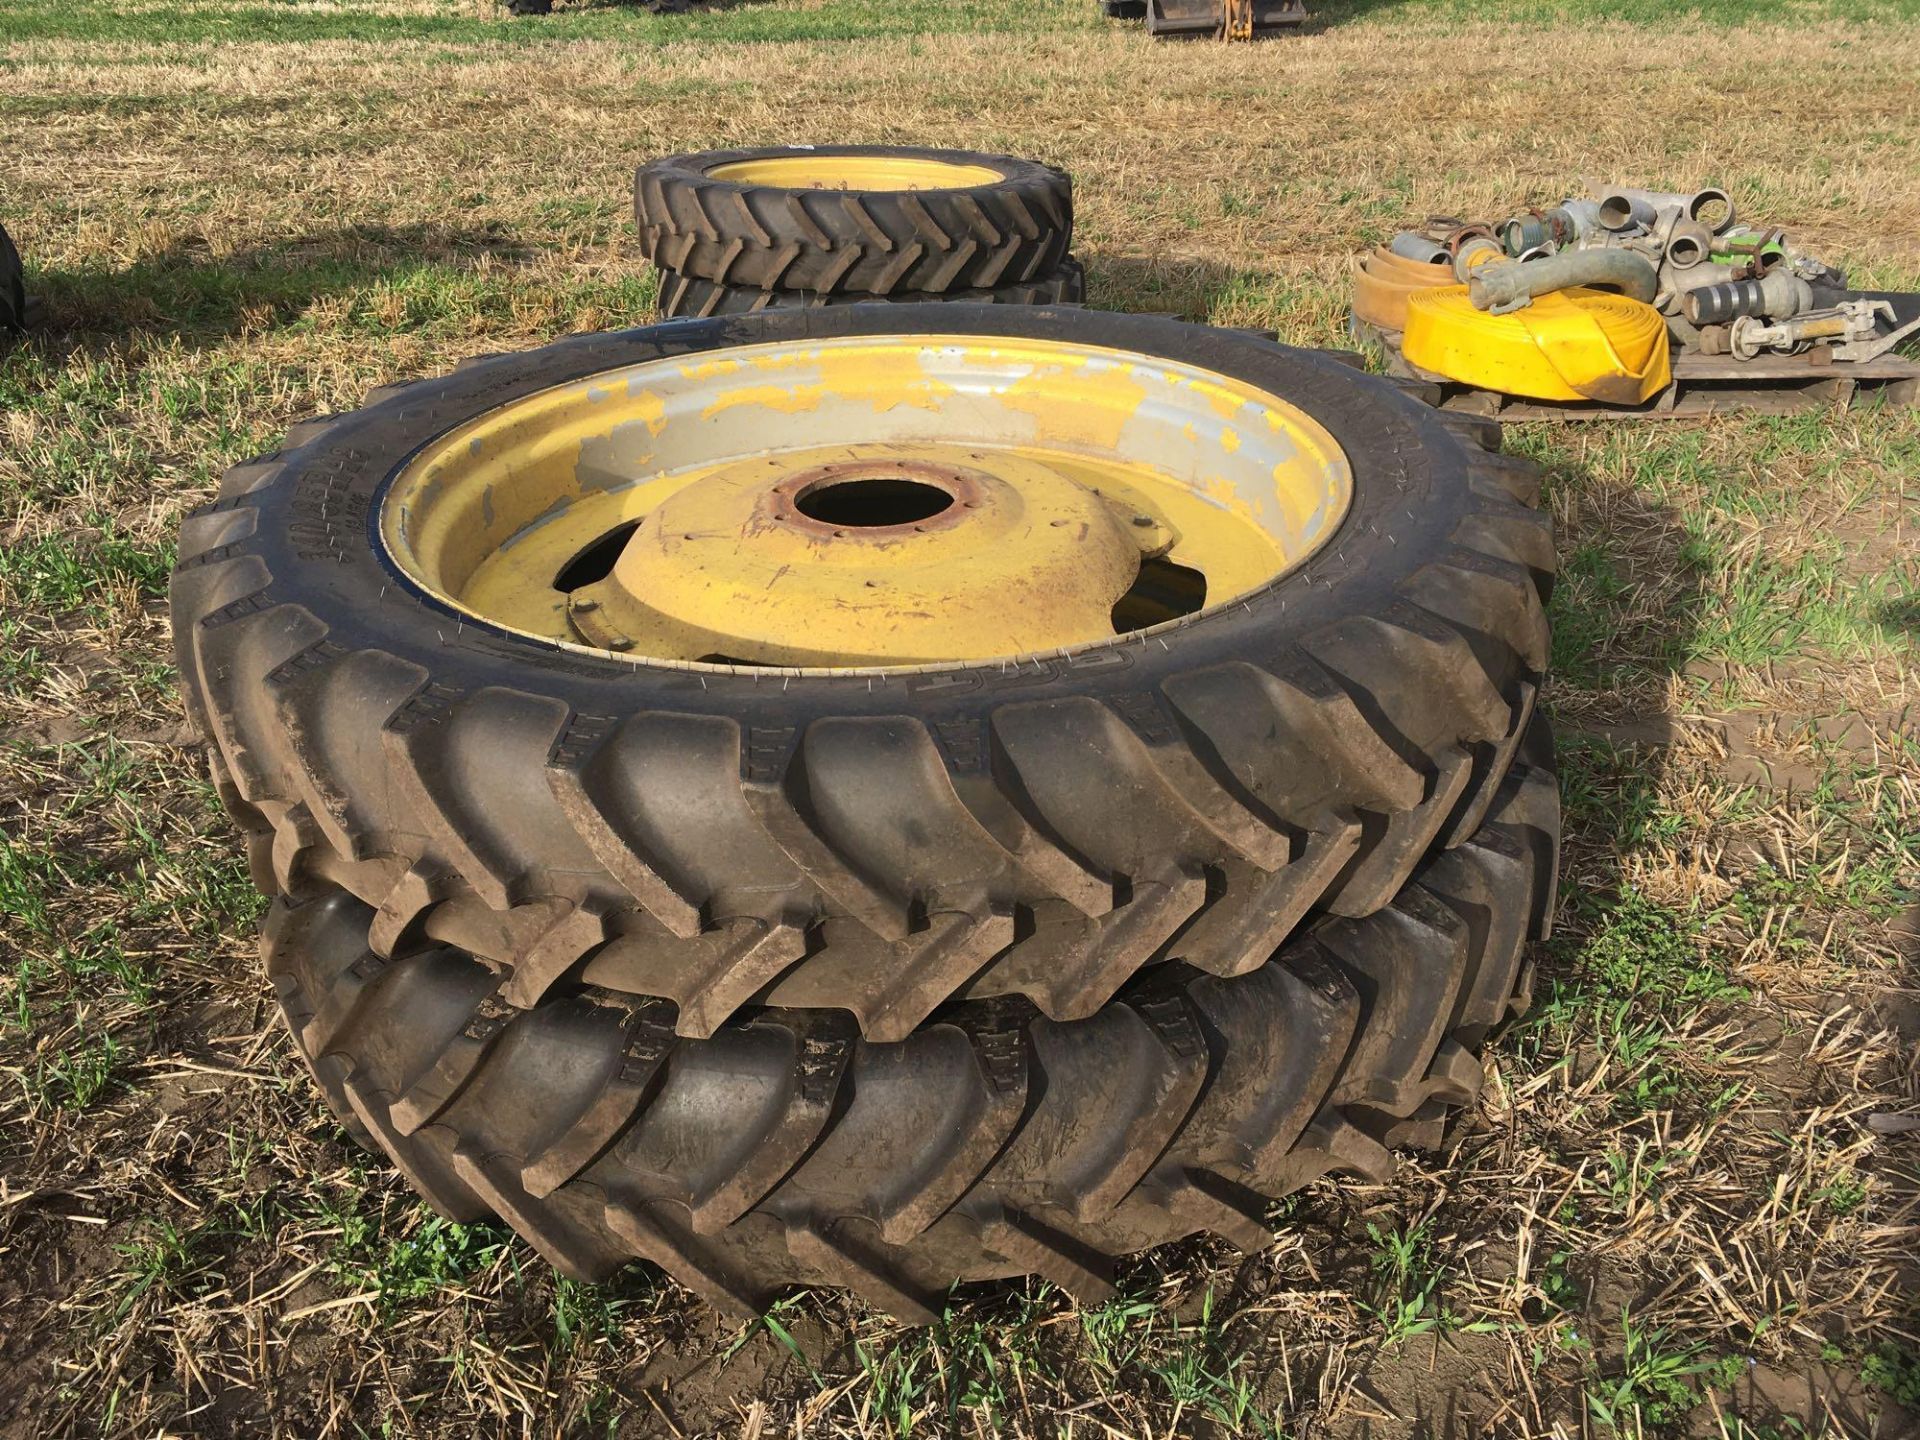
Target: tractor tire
[(687, 295), (981, 234), (882, 842), (785, 1150), (13, 292)]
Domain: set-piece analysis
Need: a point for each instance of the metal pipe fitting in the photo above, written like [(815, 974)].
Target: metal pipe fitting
[(1622, 206), (1641, 243), (1777, 295), (1409, 246), (1693, 277), (1852, 322), (1624, 210), (1688, 243), (1500, 288), (1475, 252), (1674, 285), (1902, 306), (1524, 233), (1573, 221), (1458, 238), (1713, 208)]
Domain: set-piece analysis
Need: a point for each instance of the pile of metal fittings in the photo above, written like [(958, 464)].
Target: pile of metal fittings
[(1722, 288)]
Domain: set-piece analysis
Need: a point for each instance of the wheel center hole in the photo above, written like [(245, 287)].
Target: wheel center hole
[(870, 503)]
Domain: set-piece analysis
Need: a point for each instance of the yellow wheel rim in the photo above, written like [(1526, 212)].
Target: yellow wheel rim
[(883, 500), (854, 172)]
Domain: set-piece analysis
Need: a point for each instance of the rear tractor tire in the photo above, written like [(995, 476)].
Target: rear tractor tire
[(884, 795), (747, 818), (876, 220), (784, 1150), (685, 295), (13, 292)]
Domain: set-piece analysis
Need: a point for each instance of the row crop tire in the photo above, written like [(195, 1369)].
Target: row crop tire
[(785, 1150), (770, 237), (880, 843), (13, 293), (684, 296)]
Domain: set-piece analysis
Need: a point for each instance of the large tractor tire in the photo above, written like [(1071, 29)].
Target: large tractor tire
[(866, 659), (685, 295), (13, 291), (785, 1150), (872, 219)]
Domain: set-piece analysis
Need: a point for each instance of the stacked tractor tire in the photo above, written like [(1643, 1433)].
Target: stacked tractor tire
[(737, 231), (13, 291), (669, 900)]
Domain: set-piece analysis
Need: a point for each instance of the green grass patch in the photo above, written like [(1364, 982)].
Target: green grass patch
[(1769, 608), (1408, 1272), (1894, 1370), (428, 1254), (1653, 954), (789, 21), (1589, 597), (65, 573), (1657, 1382), (741, 22)]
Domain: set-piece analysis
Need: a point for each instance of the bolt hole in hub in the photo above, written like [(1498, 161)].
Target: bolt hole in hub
[(867, 501)]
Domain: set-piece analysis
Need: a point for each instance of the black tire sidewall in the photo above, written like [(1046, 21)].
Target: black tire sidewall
[(13, 293)]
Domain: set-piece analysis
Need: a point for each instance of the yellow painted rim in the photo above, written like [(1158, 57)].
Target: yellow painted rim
[(854, 172), (881, 501)]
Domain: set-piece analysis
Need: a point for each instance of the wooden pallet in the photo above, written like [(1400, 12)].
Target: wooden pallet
[(1701, 385)]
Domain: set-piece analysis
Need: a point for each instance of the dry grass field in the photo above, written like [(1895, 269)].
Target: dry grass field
[(1689, 1201)]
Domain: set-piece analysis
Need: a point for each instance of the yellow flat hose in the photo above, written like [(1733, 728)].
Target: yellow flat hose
[(1382, 281), (1577, 344)]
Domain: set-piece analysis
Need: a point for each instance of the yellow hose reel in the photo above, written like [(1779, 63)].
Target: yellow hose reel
[(1577, 344)]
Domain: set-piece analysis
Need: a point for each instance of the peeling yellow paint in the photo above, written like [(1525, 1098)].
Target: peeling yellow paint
[(782, 400), (650, 408)]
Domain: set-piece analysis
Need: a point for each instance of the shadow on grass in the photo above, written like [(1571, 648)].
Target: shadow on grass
[(187, 290), (1176, 285), (1902, 614)]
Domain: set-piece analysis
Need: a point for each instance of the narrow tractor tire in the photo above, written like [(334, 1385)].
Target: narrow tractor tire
[(13, 292), (880, 842), (878, 242), (687, 295), (993, 1143)]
